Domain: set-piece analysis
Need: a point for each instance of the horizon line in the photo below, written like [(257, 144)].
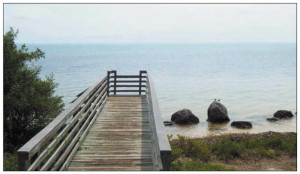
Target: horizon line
[(110, 43)]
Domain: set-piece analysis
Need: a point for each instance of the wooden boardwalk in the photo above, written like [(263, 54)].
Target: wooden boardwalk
[(120, 138), (115, 125)]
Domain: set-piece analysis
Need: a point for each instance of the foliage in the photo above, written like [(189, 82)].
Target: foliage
[(197, 166), (195, 153), (29, 101), (226, 149), (188, 147), (197, 149), (10, 162)]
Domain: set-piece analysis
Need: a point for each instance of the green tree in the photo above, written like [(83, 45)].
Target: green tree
[(29, 101)]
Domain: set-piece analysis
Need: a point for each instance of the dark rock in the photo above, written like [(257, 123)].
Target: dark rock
[(168, 123), (242, 124), (283, 114), (273, 119), (184, 116), (217, 113)]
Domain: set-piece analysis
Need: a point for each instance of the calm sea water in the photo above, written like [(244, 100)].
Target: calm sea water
[(253, 80)]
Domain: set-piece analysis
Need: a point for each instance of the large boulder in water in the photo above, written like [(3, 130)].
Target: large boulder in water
[(283, 114), (217, 113), (184, 116), (241, 124)]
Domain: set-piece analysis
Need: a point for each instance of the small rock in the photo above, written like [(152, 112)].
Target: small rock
[(283, 114), (217, 113), (184, 116), (242, 124), (168, 123), (273, 119)]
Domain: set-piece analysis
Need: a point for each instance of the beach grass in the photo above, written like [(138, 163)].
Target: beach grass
[(200, 153)]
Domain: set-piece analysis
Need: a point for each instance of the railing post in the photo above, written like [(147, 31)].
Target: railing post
[(165, 159), (115, 92), (23, 161), (108, 78), (140, 83)]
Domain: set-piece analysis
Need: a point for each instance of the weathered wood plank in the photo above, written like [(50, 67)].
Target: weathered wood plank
[(119, 139), (112, 168)]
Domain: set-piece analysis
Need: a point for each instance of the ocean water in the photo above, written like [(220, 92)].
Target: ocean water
[(253, 80)]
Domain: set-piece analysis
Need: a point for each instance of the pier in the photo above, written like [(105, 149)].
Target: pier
[(114, 125)]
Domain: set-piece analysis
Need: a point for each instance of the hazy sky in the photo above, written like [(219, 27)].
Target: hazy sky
[(90, 23)]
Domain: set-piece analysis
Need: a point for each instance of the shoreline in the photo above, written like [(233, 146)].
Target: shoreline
[(204, 128), (238, 134)]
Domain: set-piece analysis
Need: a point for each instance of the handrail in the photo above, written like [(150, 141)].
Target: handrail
[(84, 103), (140, 79), (161, 148)]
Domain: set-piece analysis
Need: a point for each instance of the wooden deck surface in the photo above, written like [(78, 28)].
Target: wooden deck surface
[(119, 140)]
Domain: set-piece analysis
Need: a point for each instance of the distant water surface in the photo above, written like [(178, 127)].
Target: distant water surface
[(253, 80)]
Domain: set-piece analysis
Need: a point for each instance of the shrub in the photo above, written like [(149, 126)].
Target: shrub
[(10, 162), (197, 166), (226, 149), (30, 102), (176, 153), (181, 141), (197, 149)]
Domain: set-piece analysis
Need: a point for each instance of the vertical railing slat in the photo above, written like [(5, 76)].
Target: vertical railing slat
[(108, 79), (115, 92), (23, 161), (140, 83)]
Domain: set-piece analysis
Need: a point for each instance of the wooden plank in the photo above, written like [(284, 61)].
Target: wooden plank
[(68, 160), (118, 130), (120, 137), (129, 97), (127, 76), (111, 162), (126, 90), (112, 168), (123, 86), (93, 144), (115, 156), (128, 81)]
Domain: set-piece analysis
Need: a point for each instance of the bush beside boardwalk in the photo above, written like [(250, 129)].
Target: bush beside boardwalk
[(235, 152), (30, 102)]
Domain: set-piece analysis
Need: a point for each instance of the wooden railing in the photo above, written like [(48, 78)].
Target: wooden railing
[(126, 84), (161, 150), (55, 145)]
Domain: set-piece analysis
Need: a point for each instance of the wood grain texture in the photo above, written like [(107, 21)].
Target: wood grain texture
[(119, 139)]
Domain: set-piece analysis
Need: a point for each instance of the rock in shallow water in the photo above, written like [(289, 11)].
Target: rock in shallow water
[(217, 113), (168, 123), (184, 116), (272, 119), (283, 114), (242, 124)]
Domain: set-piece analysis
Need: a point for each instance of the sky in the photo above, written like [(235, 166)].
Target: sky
[(151, 23)]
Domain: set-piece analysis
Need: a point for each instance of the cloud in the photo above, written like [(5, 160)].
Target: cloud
[(114, 23)]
